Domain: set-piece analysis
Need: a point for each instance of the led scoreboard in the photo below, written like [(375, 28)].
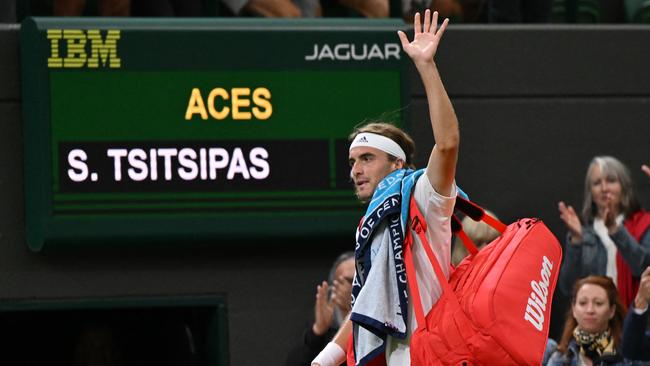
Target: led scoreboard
[(140, 130)]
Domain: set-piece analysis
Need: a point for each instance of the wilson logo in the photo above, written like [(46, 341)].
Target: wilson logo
[(538, 299)]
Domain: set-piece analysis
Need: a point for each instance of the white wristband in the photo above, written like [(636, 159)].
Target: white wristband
[(331, 355)]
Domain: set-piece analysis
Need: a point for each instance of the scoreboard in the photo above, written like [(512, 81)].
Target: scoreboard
[(141, 130)]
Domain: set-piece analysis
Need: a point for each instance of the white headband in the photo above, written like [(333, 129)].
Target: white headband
[(380, 142)]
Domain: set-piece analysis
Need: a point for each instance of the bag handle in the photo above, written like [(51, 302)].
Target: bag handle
[(477, 213), (457, 229)]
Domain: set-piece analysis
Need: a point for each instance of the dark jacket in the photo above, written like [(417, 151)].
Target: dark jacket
[(636, 340), (309, 347)]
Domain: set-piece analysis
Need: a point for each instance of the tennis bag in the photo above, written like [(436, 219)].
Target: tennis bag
[(495, 309)]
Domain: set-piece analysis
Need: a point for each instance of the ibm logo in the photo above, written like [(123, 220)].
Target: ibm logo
[(103, 51)]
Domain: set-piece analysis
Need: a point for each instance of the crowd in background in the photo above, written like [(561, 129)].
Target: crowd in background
[(459, 11)]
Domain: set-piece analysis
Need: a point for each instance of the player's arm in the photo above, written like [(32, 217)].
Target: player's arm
[(441, 168), (334, 353)]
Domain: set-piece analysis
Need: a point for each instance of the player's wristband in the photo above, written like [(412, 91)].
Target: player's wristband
[(331, 355)]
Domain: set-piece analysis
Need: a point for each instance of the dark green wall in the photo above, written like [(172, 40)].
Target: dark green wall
[(534, 103)]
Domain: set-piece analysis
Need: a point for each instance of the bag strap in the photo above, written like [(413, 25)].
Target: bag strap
[(457, 229), (418, 224)]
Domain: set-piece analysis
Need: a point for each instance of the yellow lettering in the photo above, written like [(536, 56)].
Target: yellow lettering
[(218, 92), (222, 103), (104, 50), (196, 105), (261, 98), (54, 35), (238, 102), (76, 41)]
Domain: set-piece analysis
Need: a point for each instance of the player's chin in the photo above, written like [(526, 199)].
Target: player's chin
[(362, 196)]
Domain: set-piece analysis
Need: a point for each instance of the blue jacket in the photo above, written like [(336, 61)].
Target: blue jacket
[(571, 359), (590, 256)]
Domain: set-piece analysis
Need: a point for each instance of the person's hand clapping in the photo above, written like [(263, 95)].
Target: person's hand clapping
[(323, 311), (341, 294), (572, 222), (609, 214), (643, 294)]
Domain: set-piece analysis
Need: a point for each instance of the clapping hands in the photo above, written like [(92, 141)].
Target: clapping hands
[(323, 311), (643, 294), (572, 222), (340, 289)]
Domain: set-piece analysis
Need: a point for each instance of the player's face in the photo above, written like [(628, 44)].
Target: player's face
[(592, 309), (368, 167)]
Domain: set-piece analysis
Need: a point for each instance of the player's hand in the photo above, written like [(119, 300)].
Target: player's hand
[(572, 222), (425, 42), (323, 311)]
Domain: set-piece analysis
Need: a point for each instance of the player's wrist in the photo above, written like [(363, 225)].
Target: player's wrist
[(331, 355)]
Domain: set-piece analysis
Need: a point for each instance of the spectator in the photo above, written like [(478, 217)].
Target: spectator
[(333, 299), (518, 11), (363, 8), (274, 8), (613, 238), (636, 339), (466, 11), (118, 8), (592, 332), (167, 8), (480, 233)]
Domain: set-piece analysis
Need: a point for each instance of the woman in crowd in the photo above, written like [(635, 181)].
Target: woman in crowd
[(613, 237), (592, 332)]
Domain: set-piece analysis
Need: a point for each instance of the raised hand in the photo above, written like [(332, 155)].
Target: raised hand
[(425, 43), (572, 222), (323, 311)]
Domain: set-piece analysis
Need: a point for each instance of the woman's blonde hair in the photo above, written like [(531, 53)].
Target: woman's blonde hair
[(480, 233)]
